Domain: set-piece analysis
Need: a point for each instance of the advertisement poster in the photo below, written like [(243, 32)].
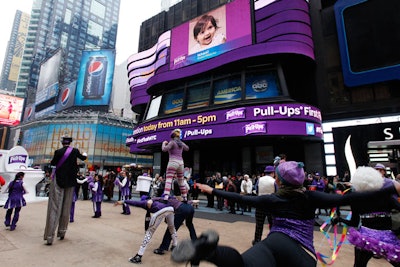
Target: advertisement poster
[(10, 110), (211, 34), (95, 77)]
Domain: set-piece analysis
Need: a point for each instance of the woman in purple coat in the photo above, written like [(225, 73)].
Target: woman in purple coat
[(16, 191), (160, 212), (97, 194)]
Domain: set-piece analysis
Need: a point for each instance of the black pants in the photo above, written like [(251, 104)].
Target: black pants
[(277, 250), (260, 215)]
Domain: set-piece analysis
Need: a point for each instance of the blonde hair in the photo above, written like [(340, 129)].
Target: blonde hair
[(366, 179)]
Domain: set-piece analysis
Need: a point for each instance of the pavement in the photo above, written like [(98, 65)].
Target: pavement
[(112, 239)]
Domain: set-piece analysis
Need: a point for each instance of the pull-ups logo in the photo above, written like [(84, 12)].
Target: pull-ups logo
[(255, 127), (237, 113), (17, 159)]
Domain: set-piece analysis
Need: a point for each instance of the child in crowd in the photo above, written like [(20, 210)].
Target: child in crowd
[(15, 201), (97, 194)]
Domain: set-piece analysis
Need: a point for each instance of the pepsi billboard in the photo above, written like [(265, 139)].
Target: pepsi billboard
[(94, 84), (66, 96)]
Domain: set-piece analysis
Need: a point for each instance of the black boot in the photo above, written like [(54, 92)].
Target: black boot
[(196, 250)]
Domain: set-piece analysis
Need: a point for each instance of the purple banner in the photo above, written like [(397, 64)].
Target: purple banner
[(274, 119)]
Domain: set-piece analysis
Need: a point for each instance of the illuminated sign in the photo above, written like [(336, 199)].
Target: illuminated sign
[(10, 110), (266, 120)]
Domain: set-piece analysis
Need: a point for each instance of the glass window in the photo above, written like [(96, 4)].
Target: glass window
[(67, 16), (97, 9), (227, 90), (198, 96), (154, 107), (95, 29), (262, 85), (172, 102)]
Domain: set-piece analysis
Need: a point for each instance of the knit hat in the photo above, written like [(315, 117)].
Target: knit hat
[(269, 169), (291, 173), (380, 166)]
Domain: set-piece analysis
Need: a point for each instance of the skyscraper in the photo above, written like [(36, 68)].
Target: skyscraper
[(72, 26), (15, 49)]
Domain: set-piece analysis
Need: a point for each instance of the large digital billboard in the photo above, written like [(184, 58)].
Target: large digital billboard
[(212, 34), (47, 88), (96, 73), (369, 40), (10, 110)]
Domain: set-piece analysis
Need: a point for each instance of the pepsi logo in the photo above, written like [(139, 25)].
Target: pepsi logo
[(65, 96), (29, 112), (95, 68)]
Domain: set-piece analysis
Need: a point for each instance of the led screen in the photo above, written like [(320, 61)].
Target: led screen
[(10, 110), (211, 34), (369, 40)]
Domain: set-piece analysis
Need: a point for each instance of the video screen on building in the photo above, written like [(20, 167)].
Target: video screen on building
[(10, 110), (47, 88), (212, 34), (369, 40), (96, 73)]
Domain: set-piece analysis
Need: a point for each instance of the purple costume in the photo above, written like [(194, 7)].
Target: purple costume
[(15, 201), (175, 165), (374, 237), (125, 192), (293, 223), (97, 197)]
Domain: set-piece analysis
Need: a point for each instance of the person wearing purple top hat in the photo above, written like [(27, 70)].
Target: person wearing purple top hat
[(374, 237), (160, 211), (290, 240), (15, 200), (175, 147), (264, 186)]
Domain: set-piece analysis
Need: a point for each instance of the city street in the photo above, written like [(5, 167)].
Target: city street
[(113, 238)]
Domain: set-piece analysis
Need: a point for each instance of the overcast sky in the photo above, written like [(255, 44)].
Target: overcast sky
[(132, 14)]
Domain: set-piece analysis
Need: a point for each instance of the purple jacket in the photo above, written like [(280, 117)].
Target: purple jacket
[(156, 206)]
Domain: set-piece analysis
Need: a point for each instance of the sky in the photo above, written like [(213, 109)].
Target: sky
[(132, 14)]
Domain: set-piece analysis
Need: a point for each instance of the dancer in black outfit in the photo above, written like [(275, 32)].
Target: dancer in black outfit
[(290, 241)]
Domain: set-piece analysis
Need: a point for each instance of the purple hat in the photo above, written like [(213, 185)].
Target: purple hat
[(145, 174), (291, 173), (269, 169), (380, 166)]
